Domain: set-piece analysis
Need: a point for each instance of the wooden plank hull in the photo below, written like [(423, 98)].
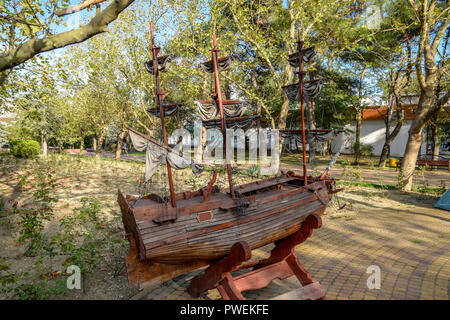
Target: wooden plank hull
[(206, 231)]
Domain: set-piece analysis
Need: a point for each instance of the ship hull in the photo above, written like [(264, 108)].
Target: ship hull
[(206, 230)]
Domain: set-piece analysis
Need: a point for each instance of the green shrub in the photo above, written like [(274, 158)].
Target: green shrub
[(254, 171), (24, 148), (32, 219), (14, 142), (112, 147), (366, 150), (345, 163)]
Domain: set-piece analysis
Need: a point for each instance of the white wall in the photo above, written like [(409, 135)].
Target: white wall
[(372, 132), (4, 123)]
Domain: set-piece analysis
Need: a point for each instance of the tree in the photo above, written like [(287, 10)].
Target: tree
[(40, 114), (399, 79), (394, 106), (109, 85), (433, 17), (28, 28), (434, 123), (394, 50), (262, 35), (363, 58)]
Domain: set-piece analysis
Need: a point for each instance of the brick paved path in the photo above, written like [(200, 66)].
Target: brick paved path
[(408, 241)]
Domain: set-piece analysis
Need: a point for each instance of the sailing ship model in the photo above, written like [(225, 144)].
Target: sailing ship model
[(170, 236)]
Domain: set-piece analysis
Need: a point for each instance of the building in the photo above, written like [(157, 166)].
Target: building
[(373, 129)]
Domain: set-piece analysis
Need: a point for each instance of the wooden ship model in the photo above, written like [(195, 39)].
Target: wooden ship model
[(170, 236)]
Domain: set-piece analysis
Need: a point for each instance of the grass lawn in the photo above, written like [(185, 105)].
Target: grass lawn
[(344, 160), (135, 153)]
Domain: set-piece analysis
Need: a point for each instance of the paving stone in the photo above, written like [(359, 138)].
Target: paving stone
[(338, 254)]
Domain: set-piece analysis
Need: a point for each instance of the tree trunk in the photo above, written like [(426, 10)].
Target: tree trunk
[(205, 86), (385, 152), (359, 112), (282, 122), (415, 140), (390, 137), (60, 145), (255, 87), (409, 161), (119, 143), (426, 71), (387, 144), (82, 145), (227, 91), (358, 136), (435, 138), (44, 144), (311, 105), (94, 143), (99, 145), (387, 122), (198, 155)]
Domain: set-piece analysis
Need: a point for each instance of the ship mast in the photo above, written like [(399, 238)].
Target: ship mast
[(218, 97), (301, 74), (159, 98)]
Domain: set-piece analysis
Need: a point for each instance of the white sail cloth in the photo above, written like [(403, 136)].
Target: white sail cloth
[(209, 110), (156, 155), (168, 110), (307, 55), (222, 64), (310, 90), (310, 136), (163, 64)]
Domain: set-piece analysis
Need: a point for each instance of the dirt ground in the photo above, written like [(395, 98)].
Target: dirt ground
[(77, 177)]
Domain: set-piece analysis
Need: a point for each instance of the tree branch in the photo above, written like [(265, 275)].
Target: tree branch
[(257, 98), (437, 106), (420, 51), (77, 8), (32, 47), (439, 35), (262, 52)]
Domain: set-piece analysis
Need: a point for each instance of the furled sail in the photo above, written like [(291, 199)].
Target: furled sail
[(156, 155), (307, 55), (163, 64), (310, 90), (235, 123), (231, 108), (169, 109), (222, 64), (312, 135)]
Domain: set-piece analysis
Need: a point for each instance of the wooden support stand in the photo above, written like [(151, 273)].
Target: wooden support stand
[(282, 263)]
